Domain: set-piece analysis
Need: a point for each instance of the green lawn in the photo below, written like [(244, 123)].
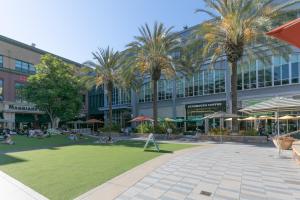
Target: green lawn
[(65, 170)]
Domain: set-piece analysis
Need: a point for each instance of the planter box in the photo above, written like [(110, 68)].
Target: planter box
[(235, 138)]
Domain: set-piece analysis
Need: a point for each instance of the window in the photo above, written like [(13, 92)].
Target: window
[(246, 73), (295, 65), (18, 90), (24, 67), (281, 71), (1, 90), (169, 89), (253, 73), (31, 69), (18, 66), (161, 90), (180, 87), (219, 81), (148, 92), (189, 86), (261, 73), (211, 82), (240, 76), (1, 61)]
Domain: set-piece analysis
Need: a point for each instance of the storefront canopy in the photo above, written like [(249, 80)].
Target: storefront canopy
[(289, 32), (277, 104)]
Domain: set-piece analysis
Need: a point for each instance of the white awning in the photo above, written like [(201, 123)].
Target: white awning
[(277, 104)]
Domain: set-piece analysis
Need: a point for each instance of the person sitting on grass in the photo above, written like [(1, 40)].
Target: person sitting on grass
[(8, 139)]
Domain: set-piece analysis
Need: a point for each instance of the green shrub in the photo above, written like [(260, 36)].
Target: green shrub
[(218, 131), (160, 129), (114, 128), (250, 132), (144, 128)]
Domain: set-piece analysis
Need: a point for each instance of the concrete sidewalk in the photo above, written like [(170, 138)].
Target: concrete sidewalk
[(224, 172), (115, 187), (11, 189)]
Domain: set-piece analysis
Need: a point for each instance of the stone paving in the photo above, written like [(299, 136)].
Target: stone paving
[(223, 172)]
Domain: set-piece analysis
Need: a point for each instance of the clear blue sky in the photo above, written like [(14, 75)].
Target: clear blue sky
[(75, 28)]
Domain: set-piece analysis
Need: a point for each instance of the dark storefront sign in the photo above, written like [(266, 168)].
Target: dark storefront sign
[(22, 108)]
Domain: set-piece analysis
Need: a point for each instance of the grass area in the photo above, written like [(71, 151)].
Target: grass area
[(65, 172)]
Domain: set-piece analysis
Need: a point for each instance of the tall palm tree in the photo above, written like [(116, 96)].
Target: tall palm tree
[(105, 72), (149, 55), (237, 27)]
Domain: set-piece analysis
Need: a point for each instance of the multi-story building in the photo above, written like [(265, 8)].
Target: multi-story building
[(17, 62), (206, 91)]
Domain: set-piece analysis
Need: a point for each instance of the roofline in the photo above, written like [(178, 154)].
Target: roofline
[(34, 49)]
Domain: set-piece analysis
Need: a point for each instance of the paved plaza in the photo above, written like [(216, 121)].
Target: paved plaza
[(223, 171)]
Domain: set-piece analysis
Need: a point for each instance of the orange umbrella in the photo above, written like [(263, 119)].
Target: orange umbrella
[(141, 118), (289, 32)]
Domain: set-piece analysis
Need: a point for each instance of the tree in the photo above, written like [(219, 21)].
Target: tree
[(54, 89), (149, 54), (105, 72), (237, 27)]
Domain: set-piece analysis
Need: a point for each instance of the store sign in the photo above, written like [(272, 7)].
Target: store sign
[(19, 108), (22, 108), (207, 105)]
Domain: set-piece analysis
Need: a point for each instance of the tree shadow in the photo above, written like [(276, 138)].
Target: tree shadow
[(8, 159)]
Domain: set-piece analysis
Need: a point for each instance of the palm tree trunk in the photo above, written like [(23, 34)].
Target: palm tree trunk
[(234, 96), (154, 86), (109, 92)]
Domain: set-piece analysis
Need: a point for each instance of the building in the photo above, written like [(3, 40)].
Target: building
[(17, 62), (205, 92)]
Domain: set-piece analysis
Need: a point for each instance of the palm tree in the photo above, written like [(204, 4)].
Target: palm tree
[(237, 27), (105, 72), (149, 55)]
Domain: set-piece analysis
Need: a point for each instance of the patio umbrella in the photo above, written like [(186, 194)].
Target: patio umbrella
[(289, 32), (264, 117), (169, 120), (287, 118), (221, 115), (94, 121), (274, 105), (142, 119)]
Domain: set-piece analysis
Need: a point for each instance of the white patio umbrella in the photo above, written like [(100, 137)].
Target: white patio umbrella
[(277, 104), (287, 118)]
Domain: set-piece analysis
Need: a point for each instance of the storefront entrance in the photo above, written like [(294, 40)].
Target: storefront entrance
[(195, 112)]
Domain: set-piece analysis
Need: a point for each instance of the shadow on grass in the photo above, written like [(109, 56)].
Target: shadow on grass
[(8, 159), (161, 151)]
